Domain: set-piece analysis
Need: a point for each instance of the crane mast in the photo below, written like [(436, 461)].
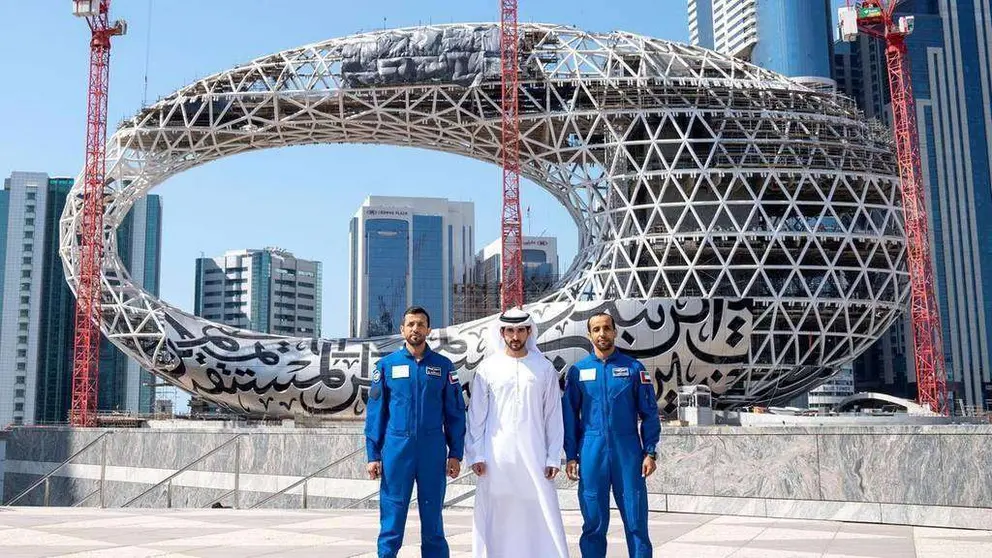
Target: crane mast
[(877, 18), (86, 357), (511, 259)]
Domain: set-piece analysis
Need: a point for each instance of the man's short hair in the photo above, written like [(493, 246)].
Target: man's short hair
[(613, 323), (417, 310)]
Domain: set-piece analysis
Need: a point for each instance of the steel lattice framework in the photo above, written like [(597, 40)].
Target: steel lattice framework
[(86, 345), (925, 314), (928, 344), (511, 260), (688, 174)]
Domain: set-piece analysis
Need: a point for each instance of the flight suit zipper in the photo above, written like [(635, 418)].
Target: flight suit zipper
[(416, 399), (608, 413)]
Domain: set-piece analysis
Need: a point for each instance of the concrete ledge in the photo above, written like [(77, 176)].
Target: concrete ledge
[(853, 512), (855, 474), (857, 512), (716, 505), (196, 488), (937, 516)]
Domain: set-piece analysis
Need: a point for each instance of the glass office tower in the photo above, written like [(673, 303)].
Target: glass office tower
[(38, 309), (407, 251)]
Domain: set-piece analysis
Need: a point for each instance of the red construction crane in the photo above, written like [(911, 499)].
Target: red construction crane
[(512, 288), (877, 18), (87, 340)]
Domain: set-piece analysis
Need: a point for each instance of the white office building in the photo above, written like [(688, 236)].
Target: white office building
[(267, 290)]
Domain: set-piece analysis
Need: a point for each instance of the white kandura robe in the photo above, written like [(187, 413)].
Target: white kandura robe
[(515, 427)]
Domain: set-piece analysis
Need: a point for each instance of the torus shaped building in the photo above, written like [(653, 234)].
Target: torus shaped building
[(745, 232)]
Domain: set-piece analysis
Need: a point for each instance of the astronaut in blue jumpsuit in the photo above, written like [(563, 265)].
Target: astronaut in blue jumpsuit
[(414, 421), (605, 395)]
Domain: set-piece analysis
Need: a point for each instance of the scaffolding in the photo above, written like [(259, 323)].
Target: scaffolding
[(472, 301)]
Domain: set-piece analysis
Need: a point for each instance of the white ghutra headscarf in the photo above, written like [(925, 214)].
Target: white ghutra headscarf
[(514, 317)]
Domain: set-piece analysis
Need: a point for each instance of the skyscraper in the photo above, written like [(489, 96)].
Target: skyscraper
[(885, 366), (139, 245), (860, 73), (407, 251), (540, 258), (38, 310), (790, 37), (951, 57), (267, 290)]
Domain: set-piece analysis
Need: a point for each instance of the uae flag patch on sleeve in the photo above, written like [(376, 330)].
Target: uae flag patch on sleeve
[(453, 376), (645, 377)]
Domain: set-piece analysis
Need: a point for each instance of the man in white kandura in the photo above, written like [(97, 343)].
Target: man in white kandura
[(514, 443)]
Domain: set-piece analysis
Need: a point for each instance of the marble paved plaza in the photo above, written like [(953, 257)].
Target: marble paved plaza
[(130, 533)]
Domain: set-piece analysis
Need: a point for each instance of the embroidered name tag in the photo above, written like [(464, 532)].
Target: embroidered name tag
[(621, 372), (401, 371), (587, 374), (434, 371)]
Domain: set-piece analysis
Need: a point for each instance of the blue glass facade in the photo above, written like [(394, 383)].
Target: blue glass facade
[(198, 288), (353, 316), (407, 251), (539, 274), (795, 38), (153, 244), (387, 253), (56, 326), (952, 82), (152, 282), (951, 78), (703, 18), (451, 268), (261, 282), (428, 265), (113, 363), (55, 304)]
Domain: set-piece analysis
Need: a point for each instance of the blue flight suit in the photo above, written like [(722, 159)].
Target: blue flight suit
[(601, 406), (415, 420)]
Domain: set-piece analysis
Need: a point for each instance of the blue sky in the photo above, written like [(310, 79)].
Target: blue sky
[(297, 198)]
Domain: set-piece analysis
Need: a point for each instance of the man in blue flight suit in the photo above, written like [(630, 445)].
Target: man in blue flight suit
[(415, 418), (605, 394)]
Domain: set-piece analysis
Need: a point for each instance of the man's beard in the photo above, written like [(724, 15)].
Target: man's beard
[(604, 345), (516, 346), (416, 340)]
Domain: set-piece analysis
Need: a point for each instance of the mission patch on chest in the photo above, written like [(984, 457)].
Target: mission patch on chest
[(434, 371), (621, 372)]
